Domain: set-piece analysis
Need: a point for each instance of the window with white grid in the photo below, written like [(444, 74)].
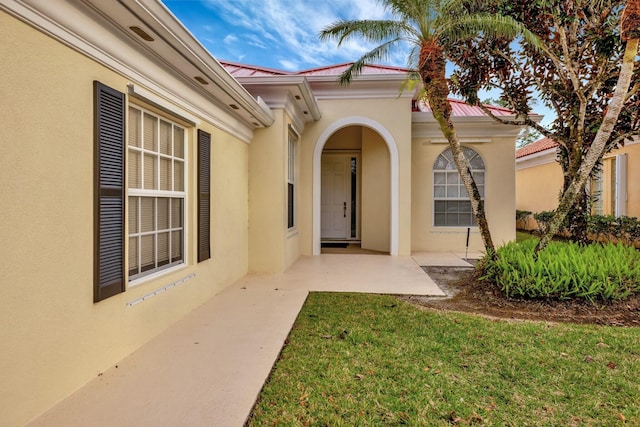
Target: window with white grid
[(156, 193), (452, 207)]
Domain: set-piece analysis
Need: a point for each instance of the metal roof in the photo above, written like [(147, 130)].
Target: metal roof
[(245, 70), (460, 108)]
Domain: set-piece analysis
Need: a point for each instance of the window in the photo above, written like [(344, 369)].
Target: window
[(608, 188), (156, 171), (291, 178), (156, 193), (452, 207)]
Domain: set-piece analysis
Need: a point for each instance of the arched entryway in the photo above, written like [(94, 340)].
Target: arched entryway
[(380, 133)]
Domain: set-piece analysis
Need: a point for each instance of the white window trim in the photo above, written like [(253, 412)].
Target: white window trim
[(453, 199), (141, 192)]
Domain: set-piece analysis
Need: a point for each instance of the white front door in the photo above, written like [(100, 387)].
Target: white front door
[(336, 204)]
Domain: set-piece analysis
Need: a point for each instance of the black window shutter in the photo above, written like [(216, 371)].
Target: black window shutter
[(109, 128), (204, 195)]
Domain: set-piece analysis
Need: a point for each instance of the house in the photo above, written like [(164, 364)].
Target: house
[(614, 191), (141, 176)]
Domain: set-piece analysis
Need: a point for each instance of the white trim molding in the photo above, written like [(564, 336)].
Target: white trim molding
[(395, 177), (536, 159)]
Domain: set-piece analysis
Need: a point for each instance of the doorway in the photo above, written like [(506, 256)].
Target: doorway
[(377, 205), (340, 198)]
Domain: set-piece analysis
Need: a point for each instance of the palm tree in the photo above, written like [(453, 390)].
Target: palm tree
[(428, 25)]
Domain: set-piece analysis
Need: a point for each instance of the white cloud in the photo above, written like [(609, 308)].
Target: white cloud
[(230, 39), (289, 65), (289, 29)]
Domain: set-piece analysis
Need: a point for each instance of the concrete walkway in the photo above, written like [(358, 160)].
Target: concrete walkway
[(207, 369)]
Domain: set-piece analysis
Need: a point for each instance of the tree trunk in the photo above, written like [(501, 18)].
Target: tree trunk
[(596, 151), (578, 217), (432, 72)]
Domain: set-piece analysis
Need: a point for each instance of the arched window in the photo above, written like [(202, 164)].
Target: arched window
[(451, 205)]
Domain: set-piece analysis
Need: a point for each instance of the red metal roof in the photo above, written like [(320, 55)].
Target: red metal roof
[(536, 147), (337, 69), (462, 109), (244, 70)]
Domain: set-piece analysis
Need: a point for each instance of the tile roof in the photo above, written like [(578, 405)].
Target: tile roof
[(536, 147)]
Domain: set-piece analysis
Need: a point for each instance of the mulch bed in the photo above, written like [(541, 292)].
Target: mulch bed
[(466, 293)]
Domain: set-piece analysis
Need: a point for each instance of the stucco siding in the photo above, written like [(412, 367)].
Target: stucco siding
[(54, 338), (538, 187), (393, 115), (376, 198), (498, 157)]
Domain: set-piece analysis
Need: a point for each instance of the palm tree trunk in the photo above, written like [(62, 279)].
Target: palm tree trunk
[(577, 185), (432, 72)]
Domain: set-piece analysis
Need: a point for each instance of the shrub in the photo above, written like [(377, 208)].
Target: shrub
[(625, 229), (543, 218), (522, 215), (565, 271), (522, 219)]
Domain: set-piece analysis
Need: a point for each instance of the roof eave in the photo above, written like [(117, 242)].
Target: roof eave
[(299, 87)]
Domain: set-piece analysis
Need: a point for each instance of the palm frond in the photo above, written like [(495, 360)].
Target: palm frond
[(474, 25), (368, 30), (379, 53)]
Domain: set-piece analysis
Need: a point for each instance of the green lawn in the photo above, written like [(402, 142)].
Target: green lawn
[(359, 360), (523, 235)]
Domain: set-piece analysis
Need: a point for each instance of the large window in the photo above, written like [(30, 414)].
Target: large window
[(156, 193), (452, 207), (291, 178)]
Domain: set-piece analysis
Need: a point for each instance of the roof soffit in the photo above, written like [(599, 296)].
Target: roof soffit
[(362, 87), (424, 125), (100, 30), (277, 91)]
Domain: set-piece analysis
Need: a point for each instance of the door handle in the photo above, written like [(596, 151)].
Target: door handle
[(344, 209)]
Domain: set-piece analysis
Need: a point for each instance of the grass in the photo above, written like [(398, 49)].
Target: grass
[(354, 360), (521, 236)]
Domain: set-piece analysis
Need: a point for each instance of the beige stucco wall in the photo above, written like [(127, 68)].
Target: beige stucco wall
[(538, 188), (394, 115), (376, 197), (54, 338), (498, 156), (273, 247), (267, 197), (633, 178)]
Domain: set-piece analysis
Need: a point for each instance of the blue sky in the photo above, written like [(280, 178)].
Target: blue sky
[(283, 34)]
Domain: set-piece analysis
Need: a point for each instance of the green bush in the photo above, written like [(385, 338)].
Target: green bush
[(565, 271), (522, 215), (623, 228)]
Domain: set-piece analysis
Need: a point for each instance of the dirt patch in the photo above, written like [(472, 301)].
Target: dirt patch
[(465, 292)]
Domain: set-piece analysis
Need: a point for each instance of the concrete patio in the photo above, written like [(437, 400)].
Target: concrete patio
[(207, 369)]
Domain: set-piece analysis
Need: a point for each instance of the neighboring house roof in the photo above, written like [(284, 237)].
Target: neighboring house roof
[(536, 147)]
